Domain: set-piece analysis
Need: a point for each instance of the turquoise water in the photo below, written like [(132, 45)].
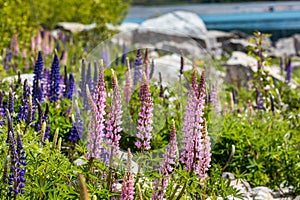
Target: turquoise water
[(267, 21)]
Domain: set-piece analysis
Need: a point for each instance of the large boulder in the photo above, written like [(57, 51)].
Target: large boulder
[(285, 47), (235, 45), (179, 23), (175, 30)]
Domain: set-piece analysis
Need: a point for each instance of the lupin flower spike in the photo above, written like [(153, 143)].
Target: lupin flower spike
[(54, 143), (144, 127), (138, 67), (128, 87), (160, 185), (127, 192), (114, 122), (55, 80)]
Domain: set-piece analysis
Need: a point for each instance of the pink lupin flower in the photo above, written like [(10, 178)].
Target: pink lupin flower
[(192, 156), (205, 152), (45, 43), (128, 86), (146, 65), (15, 45), (51, 44), (95, 136), (127, 192), (160, 185), (39, 41), (113, 124), (145, 117), (98, 108)]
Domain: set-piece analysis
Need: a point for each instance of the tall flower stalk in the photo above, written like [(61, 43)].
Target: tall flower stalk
[(127, 192), (114, 122), (128, 86), (138, 66), (192, 130), (55, 80), (160, 185), (144, 127)]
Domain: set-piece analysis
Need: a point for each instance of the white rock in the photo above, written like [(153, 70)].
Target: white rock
[(261, 193), (29, 78), (285, 47), (181, 23), (74, 27), (169, 66)]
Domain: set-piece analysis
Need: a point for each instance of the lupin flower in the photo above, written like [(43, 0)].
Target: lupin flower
[(117, 60), (95, 78), (66, 82), (98, 105), (96, 126), (160, 185), (128, 87), (138, 65), (127, 192), (10, 103), (24, 105), (289, 70), (146, 66), (71, 87), (89, 79), (15, 45), (77, 126), (259, 100), (38, 69), (145, 117), (16, 178), (152, 69), (192, 155), (125, 50), (215, 100), (114, 122), (7, 59), (2, 110), (83, 83), (55, 80)]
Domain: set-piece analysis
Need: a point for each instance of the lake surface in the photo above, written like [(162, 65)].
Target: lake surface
[(248, 17)]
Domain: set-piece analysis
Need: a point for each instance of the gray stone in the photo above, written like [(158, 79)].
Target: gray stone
[(235, 45), (228, 176), (297, 43), (74, 27), (169, 66), (261, 193), (180, 23), (242, 186), (297, 197), (285, 47)]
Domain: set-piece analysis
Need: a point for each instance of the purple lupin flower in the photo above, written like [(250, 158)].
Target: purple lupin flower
[(7, 59), (55, 80), (10, 103), (66, 83), (77, 126), (2, 110), (71, 87), (18, 161), (89, 79), (125, 51), (160, 185), (128, 87), (127, 192), (138, 65), (83, 83), (259, 100), (193, 130), (24, 104), (289, 71), (117, 60), (38, 69), (114, 122), (145, 117)]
